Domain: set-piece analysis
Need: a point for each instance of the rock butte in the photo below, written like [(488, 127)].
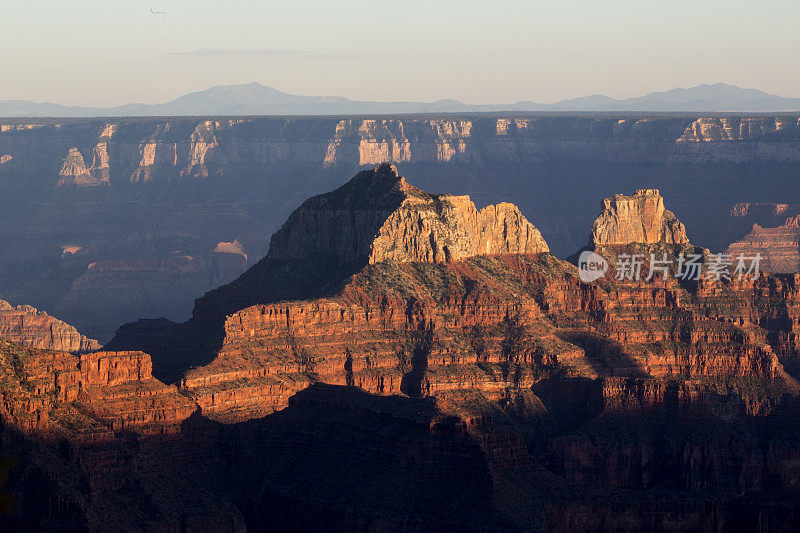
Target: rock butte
[(367, 328), (640, 218), (505, 393), (377, 216), (234, 247)]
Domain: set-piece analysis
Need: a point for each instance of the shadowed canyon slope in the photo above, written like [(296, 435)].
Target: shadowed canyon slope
[(440, 356), (109, 220)]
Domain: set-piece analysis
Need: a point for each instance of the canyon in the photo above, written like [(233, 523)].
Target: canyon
[(114, 219), (440, 355)]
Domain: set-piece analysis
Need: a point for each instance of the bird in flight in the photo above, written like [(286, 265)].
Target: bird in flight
[(163, 15)]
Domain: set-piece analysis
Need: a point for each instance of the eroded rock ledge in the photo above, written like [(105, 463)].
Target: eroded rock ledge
[(28, 326)]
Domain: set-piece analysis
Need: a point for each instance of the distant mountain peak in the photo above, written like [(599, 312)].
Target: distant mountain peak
[(253, 98), (253, 86)]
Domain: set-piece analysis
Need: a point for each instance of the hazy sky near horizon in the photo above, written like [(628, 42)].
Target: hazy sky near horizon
[(93, 52)]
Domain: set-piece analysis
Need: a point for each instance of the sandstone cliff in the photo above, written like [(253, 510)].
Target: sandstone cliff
[(85, 396), (156, 148), (640, 218), (28, 326), (75, 173), (779, 246), (717, 129), (377, 216)]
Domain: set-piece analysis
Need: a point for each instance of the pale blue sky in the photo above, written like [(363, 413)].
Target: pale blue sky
[(92, 52)]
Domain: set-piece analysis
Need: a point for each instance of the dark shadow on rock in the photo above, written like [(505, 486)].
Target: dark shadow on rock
[(176, 347), (412, 382), (348, 369), (607, 357), (313, 255), (173, 347)]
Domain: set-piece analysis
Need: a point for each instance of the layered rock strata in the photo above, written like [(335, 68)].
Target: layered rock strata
[(120, 188), (377, 216), (779, 247), (640, 218), (492, 321), (86, 396), (28, 326), (485, 391)]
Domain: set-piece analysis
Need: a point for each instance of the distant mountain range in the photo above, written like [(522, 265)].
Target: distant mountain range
[(257, 99)]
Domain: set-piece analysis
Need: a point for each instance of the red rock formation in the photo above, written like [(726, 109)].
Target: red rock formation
[(87, 395), (490, 322), (779, 247), (378, 216), (485, 389), (28, 326), (640, 218), (375, 339)]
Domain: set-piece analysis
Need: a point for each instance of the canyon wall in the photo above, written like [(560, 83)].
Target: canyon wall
[(489, 391), (28, 326), (146, 202)]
